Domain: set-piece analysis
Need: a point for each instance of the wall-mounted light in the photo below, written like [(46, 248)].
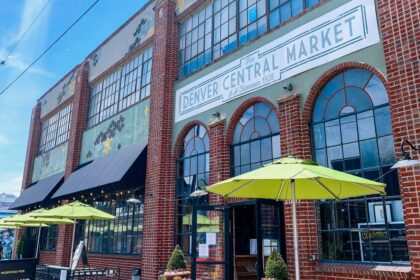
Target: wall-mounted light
[(405, 160), (216, 115), (288, 87)]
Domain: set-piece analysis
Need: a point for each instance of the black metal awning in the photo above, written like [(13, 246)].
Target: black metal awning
[(123, 168), (38, 192)]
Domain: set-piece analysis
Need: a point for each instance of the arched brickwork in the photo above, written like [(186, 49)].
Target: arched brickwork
[(179, 143), (237, 115), (319, 84)]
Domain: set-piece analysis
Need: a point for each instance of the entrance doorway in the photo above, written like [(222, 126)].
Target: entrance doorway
[(245, 255), (234, 241), (257, 230)]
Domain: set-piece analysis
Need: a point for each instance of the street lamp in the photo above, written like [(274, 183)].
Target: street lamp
[(405, 160)]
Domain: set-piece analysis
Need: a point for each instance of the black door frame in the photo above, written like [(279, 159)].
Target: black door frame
[(228, 234)]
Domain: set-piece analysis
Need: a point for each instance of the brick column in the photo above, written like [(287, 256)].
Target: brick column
[(78, 119), (31, 152), (63, 248), (399, 23), (294, 141), (32, 146), (219, 157), (159, 209), (77, 126)]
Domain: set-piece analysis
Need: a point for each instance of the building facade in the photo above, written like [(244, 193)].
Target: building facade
[(191, 92)]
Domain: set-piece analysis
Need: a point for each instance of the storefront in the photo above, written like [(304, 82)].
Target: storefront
[(189, 93)]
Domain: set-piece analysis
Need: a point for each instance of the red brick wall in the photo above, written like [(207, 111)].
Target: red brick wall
[(33, 145), (47, 257), (125, 264), (78, 119), (159, 209), (63, 247), (293, 143), (400, 28)]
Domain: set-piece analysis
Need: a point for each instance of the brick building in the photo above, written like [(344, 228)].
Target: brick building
[(190, 92)]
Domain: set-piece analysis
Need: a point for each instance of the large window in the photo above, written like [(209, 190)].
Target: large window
[(49, 238), (55, 130), (256, 139), (121, 236), (282, 10), (351, 128), (193, 173), (123, 88), (216, 29)]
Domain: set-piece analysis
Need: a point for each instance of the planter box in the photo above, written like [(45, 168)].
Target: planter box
[(175, 275)]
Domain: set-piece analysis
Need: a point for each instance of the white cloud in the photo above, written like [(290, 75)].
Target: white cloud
[(10, 183), (33, 42), (4, 141)]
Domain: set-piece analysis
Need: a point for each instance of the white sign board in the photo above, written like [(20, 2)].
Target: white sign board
[(203, 250), (340, 32), (211, 238)]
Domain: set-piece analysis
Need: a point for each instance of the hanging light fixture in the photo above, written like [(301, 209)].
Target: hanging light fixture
[(406, 160)]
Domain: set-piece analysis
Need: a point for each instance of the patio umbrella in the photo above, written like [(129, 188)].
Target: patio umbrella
[(5, 224), (75, 211), (296, 179), (27, 219)]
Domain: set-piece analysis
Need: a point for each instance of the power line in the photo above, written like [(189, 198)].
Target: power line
[(49, 47), (26, 31)]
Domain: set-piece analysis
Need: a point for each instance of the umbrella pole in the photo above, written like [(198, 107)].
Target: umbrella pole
[(295, 231), (72, 243), (37, 244)]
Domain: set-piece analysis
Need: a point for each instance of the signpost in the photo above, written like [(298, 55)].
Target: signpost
[(18, 269)]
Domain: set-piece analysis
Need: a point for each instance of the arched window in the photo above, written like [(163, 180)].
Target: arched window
[(351, 132), (256, 139), (193, 173)]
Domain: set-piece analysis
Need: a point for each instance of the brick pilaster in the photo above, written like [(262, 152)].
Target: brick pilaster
[(78, 119), (294, 142), (219, 157), (159, 209), (33, 145), (399, 23), (63, 247)]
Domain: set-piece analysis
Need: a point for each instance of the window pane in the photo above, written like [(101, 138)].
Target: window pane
[(383, 121), (369, 151), (366, 125), (332, 130), (386, 150), (319, 135)]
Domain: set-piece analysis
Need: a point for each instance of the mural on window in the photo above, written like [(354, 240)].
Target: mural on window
[(121, 236), (193, 174), (256, 139), (351, 128), (216, 29)]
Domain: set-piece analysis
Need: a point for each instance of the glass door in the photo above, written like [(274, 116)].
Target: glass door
[(211, 243), (270, 231)]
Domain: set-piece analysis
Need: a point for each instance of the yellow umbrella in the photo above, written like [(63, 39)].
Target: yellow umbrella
[(75, 211), (28, 219), (296, 179)]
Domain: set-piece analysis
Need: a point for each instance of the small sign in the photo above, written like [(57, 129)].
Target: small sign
[(63, 274), (211, 238), (203, 251)]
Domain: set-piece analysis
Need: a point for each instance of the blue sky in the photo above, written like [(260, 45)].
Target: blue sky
[(16, 104)]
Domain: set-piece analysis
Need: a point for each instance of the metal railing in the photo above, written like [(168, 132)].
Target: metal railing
[(55, 273)]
